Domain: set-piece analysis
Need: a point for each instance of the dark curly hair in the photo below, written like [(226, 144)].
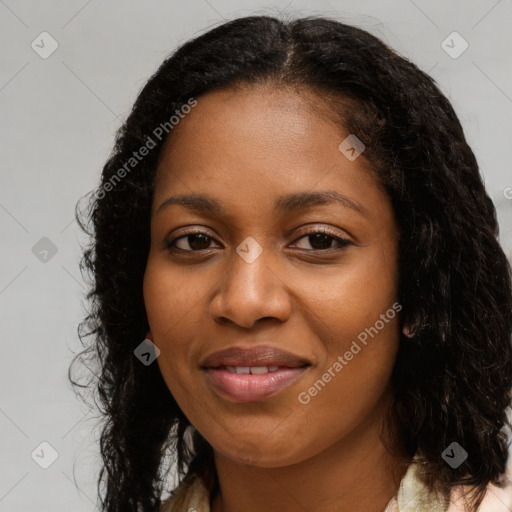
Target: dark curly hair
[(452, 380)]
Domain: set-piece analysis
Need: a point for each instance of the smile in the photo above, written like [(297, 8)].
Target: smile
[(252, 374), (252, 384)]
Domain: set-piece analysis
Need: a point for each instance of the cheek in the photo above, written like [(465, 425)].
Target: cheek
[(356, 320), (172, 308), (351, 298), (171, 299), (345, 392)]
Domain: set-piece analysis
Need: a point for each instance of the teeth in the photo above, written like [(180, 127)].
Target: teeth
[(259, 369), (255, 370)]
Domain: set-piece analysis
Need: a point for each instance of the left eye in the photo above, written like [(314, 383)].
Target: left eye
[(319, 240)]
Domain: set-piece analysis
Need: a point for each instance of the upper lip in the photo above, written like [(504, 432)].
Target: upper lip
[(255, 356)]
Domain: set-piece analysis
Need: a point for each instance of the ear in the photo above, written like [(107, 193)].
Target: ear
[(407, 331), (149, 336)]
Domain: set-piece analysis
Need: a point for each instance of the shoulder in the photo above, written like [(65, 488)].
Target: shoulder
[(497, 499), (414, 495), (190, 495)]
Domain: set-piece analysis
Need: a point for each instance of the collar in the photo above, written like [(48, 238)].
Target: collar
[(412, 496)]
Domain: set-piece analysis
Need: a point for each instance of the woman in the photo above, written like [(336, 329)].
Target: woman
[(293, 219)]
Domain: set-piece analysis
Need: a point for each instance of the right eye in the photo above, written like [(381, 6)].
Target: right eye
[(195, 240)]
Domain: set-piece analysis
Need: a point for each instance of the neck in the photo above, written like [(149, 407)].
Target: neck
[(355, 474)]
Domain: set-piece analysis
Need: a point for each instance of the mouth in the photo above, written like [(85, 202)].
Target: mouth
[(253, 370), (255, 357), (251, 375)]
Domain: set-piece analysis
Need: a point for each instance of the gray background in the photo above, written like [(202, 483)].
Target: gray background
[(58, 120)]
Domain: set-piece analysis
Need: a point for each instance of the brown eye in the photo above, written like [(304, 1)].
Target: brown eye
[(318, 239), (321, 240), (191, 242)]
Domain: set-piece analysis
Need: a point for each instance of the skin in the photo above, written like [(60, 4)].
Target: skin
[(245, 148)]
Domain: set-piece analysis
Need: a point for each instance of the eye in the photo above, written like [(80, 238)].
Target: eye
[(195, 240), (321, 239)]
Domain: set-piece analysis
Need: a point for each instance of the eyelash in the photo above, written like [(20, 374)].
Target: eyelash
[(342, 242)]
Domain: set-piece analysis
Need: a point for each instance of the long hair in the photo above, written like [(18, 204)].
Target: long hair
[(452, 379)]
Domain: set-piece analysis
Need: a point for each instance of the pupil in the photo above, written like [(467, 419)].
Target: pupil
[(321, 238), (203, 241), (318, 241)]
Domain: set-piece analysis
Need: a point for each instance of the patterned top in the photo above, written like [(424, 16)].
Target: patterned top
[(412, 496)]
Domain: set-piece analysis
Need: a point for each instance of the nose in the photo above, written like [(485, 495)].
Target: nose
[(250, 292)]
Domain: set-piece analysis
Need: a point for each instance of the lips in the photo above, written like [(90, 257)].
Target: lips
[(262, 356), (251, 375)]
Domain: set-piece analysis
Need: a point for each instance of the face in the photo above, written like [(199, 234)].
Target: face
[(289, 259)]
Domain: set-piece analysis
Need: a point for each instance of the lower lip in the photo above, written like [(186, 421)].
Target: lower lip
[(246, 387)]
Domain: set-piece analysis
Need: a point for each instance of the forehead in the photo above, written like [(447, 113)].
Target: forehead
[(253, 118), (248, 145)]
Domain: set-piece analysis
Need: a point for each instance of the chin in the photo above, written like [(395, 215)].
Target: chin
[(262, 456)]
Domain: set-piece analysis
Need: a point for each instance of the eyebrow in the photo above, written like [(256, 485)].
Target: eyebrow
[(284, 204)]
